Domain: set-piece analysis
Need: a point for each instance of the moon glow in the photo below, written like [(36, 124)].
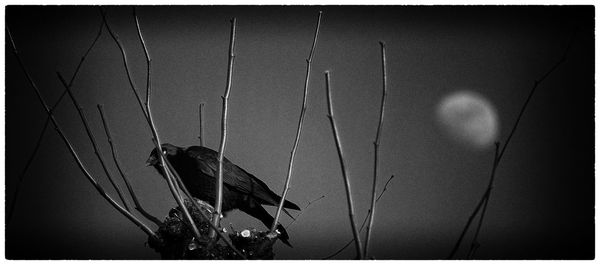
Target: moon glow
[(468, 118)]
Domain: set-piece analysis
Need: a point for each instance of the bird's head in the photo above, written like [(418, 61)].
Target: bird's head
[(167, 149)]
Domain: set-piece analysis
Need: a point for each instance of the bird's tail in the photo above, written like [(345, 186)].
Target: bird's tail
[(277, 199), (290, 205), (284, 237)]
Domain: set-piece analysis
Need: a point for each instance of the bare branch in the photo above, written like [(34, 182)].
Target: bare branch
[(357, 241), (92, 138), (299, 131), (219, 182), (92, 180), (303, 210), (376, 148), (39, 140), (498, 157), (113, 150), (536, 83)]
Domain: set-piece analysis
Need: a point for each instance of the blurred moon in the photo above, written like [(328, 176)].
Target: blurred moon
[(468, 118)]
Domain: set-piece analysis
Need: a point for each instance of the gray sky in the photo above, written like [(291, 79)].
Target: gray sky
[(542, 201)]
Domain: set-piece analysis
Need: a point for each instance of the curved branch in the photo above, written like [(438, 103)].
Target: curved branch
[(498, 157)]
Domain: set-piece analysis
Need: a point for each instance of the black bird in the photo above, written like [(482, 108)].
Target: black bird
[(197, 167)]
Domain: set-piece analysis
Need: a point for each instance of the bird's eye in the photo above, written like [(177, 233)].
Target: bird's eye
[(164, 152)]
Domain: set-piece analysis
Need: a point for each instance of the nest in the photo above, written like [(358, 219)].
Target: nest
[(176, 240)]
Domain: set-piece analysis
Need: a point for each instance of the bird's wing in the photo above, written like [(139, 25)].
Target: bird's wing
[(233, 176)]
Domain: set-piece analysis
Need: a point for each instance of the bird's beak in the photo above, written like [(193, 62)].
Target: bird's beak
[(151, 161)]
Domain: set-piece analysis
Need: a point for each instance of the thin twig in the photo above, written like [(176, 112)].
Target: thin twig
[(92, 180), (219, 182), (357, 241), (303, 210), (299, 131), (201, 117), (92, 138), (485, 198), (39, 140), (363, 223), (138, 205), (376, 149), (384, 188)]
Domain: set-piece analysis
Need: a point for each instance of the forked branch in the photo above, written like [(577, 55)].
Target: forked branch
[(363, 223), (359, 251), (475, 243)]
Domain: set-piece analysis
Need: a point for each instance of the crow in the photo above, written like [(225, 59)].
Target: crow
[(197, 167)]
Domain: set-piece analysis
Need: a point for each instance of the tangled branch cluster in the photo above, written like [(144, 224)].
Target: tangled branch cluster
[(176, 240)]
